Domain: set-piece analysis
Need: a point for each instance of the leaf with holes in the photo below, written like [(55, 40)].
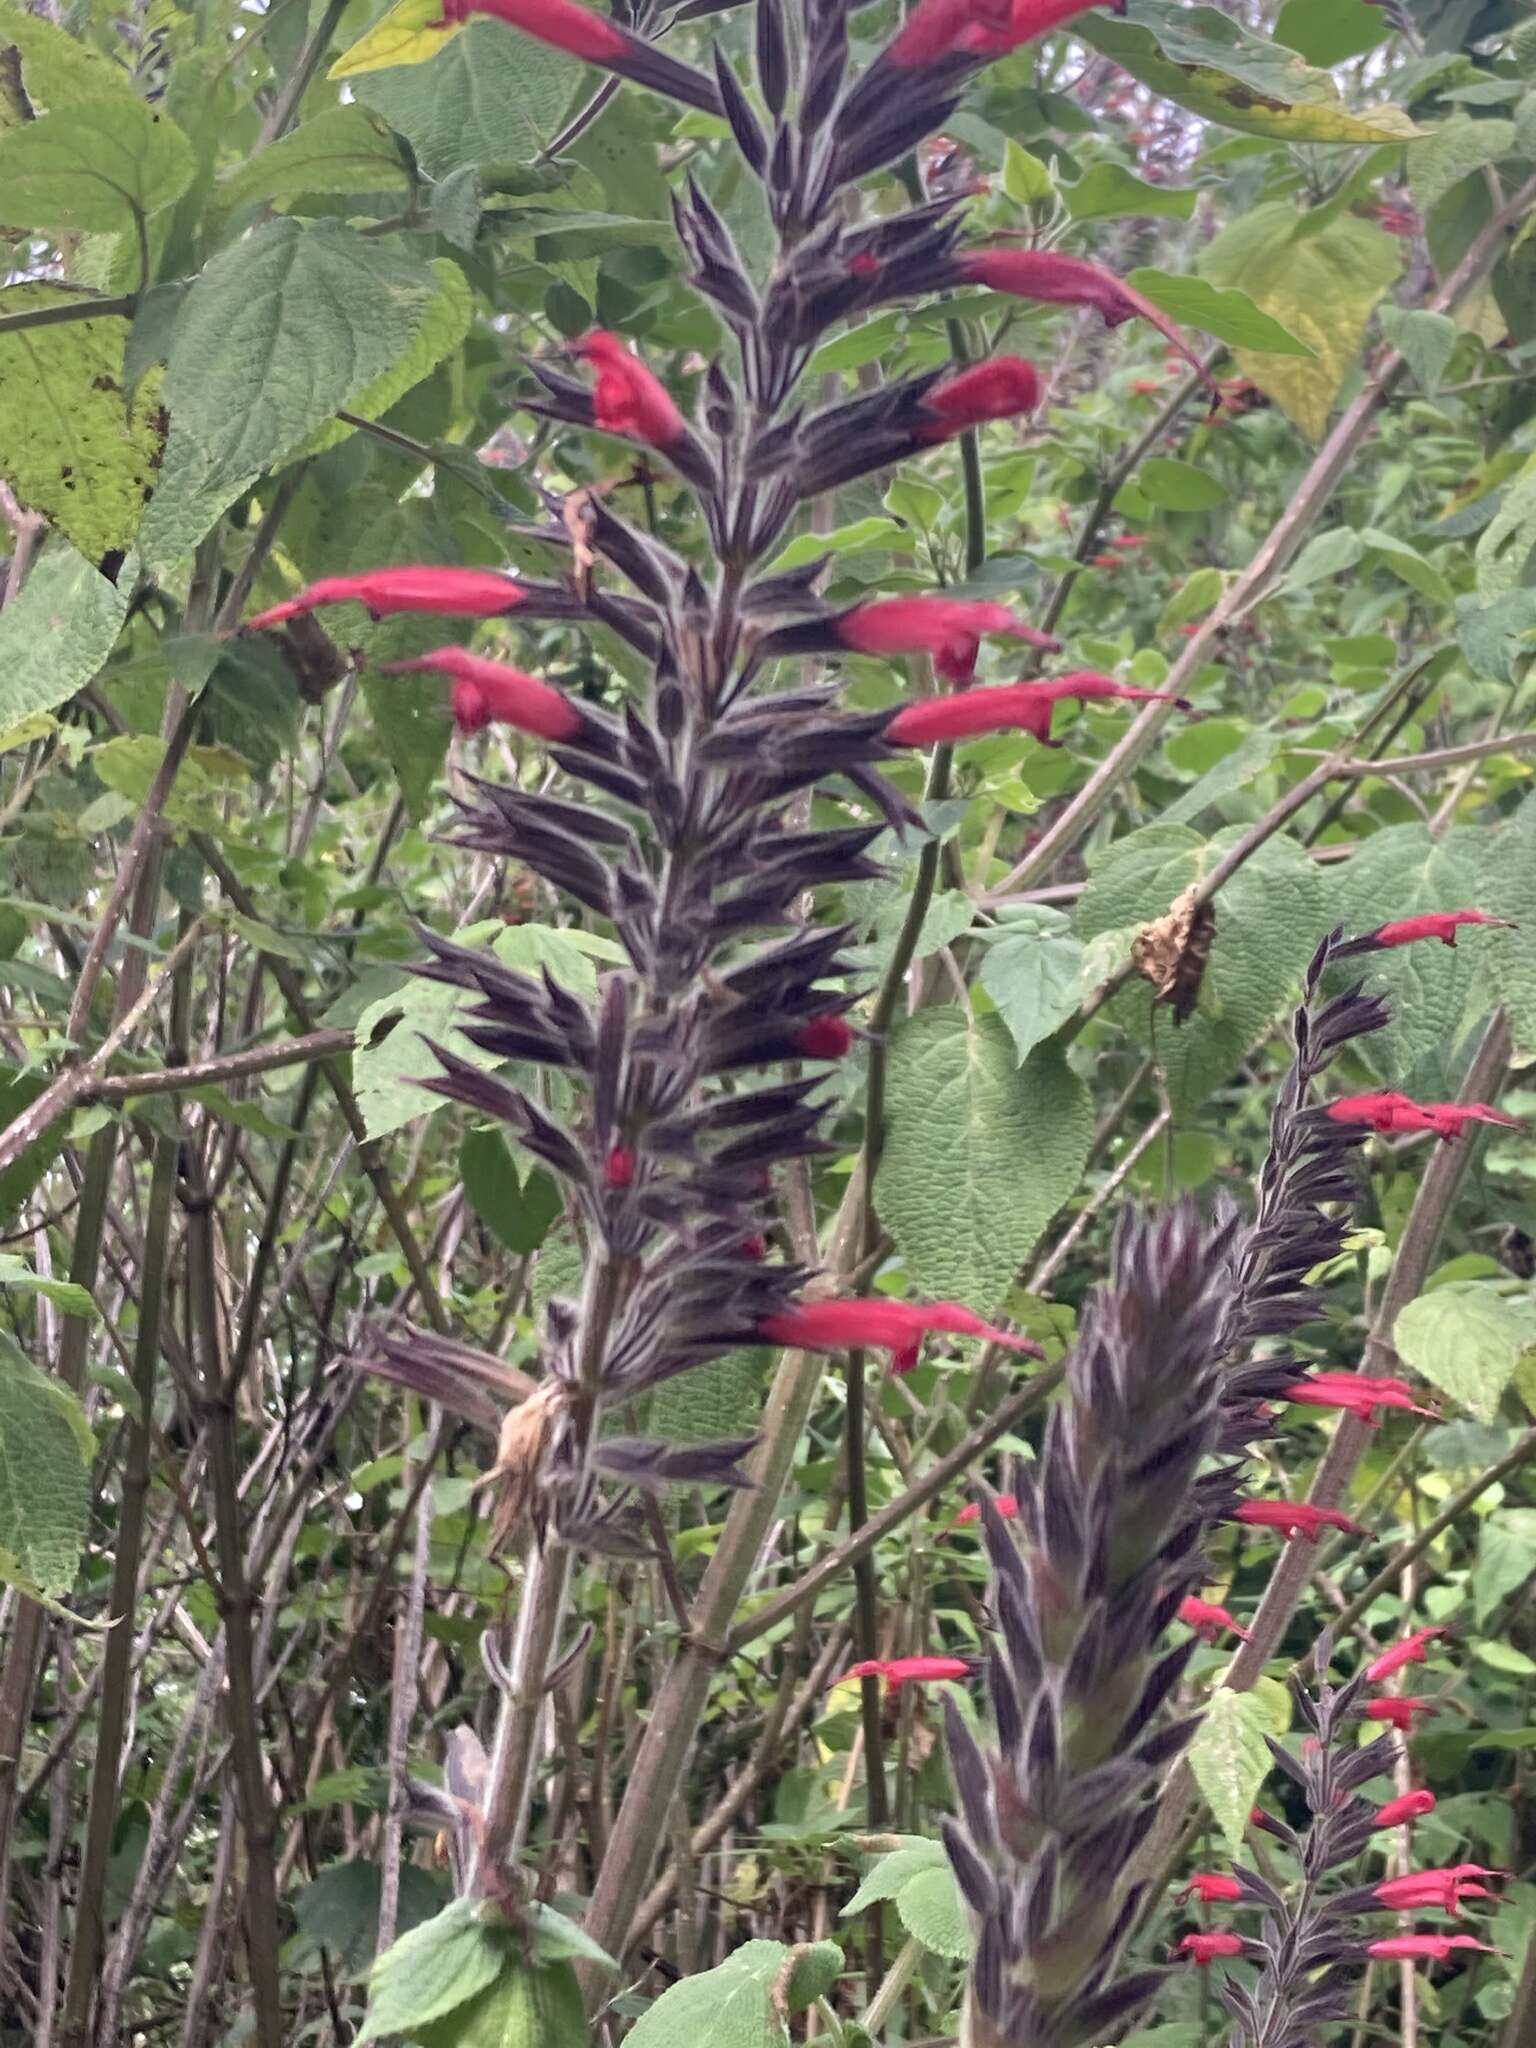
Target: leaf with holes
[(70, 443)]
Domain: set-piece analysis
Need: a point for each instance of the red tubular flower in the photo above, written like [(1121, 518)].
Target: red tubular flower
[(851, 1324), (1132, 540), (1399, 1708), (561, 23), (491, 692), (1388, 1111), (936, 29), (1106, 561), (461, 593), (1209, 1621), (1009, 707), (1411, 1650), (948, 628), (1435, 924), (1206, 1948), (619, 1168), (1058, 280), (1007, 1505), (900, 1671), (1434, 1948), (1444, 1890), (1294, 1518), (1408, 1806), (1212, 1889), (1359, 1394), (997, 390), (627, 398), (825, 1038)]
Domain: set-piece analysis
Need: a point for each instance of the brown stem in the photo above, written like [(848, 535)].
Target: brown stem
[(112, 1711)]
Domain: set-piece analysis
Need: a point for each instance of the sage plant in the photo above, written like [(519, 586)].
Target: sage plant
[(1148, 1449), (679, 814)]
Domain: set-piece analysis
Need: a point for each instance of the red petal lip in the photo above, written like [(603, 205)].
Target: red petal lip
[(628, 398), (1009, 707), (995, 390), (1410, 1650), (1435, 924), (899, 1671), (1407, 1806), (975, 28), (1386, 1111), (462, 593), (1057, 280), (561, 23), (491, 692), (851, 1323)]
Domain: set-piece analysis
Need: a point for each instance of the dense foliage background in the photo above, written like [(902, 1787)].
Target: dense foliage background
[(273, 276)]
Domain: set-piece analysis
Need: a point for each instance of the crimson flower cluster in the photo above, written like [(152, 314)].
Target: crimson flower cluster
[(1310, 1941)]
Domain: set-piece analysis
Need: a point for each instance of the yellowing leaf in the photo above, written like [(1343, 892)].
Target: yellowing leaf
[(69, 441), (1323, 287), (402, 36), (1219, 70)]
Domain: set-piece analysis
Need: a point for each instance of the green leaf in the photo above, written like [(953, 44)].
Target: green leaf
[(1424, 340), (566, 950), (526, 2007), (1107, 191), (1235, 771), (1219, 70), (65, 1294), (57, 69), (931, 1908), (1196, 595), (1230, 1760), (1325, 555), (556, 1938), (1466, 1340), (338, 1911), (444, 325), (98, 166), (1025, 179), (980, 1152), (1453, 151), (1508, 889), (521, 1216), (18, 1091), (1179, 486), (818, 1965), (1506, 1557), (390, 1055), (281, 331), (1505, 544), (863, 534), (1268, 921), (46, 1449), (486, 97), (1493, 637), (1321, 287), (1227, 313), (713, 1401), (1329, 32), (1399, 873), (69, 443), (1033, 979), (342, 150), (892, 1872), (1409, 565), (434, 1969), (57, 633), (729, 2007)]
